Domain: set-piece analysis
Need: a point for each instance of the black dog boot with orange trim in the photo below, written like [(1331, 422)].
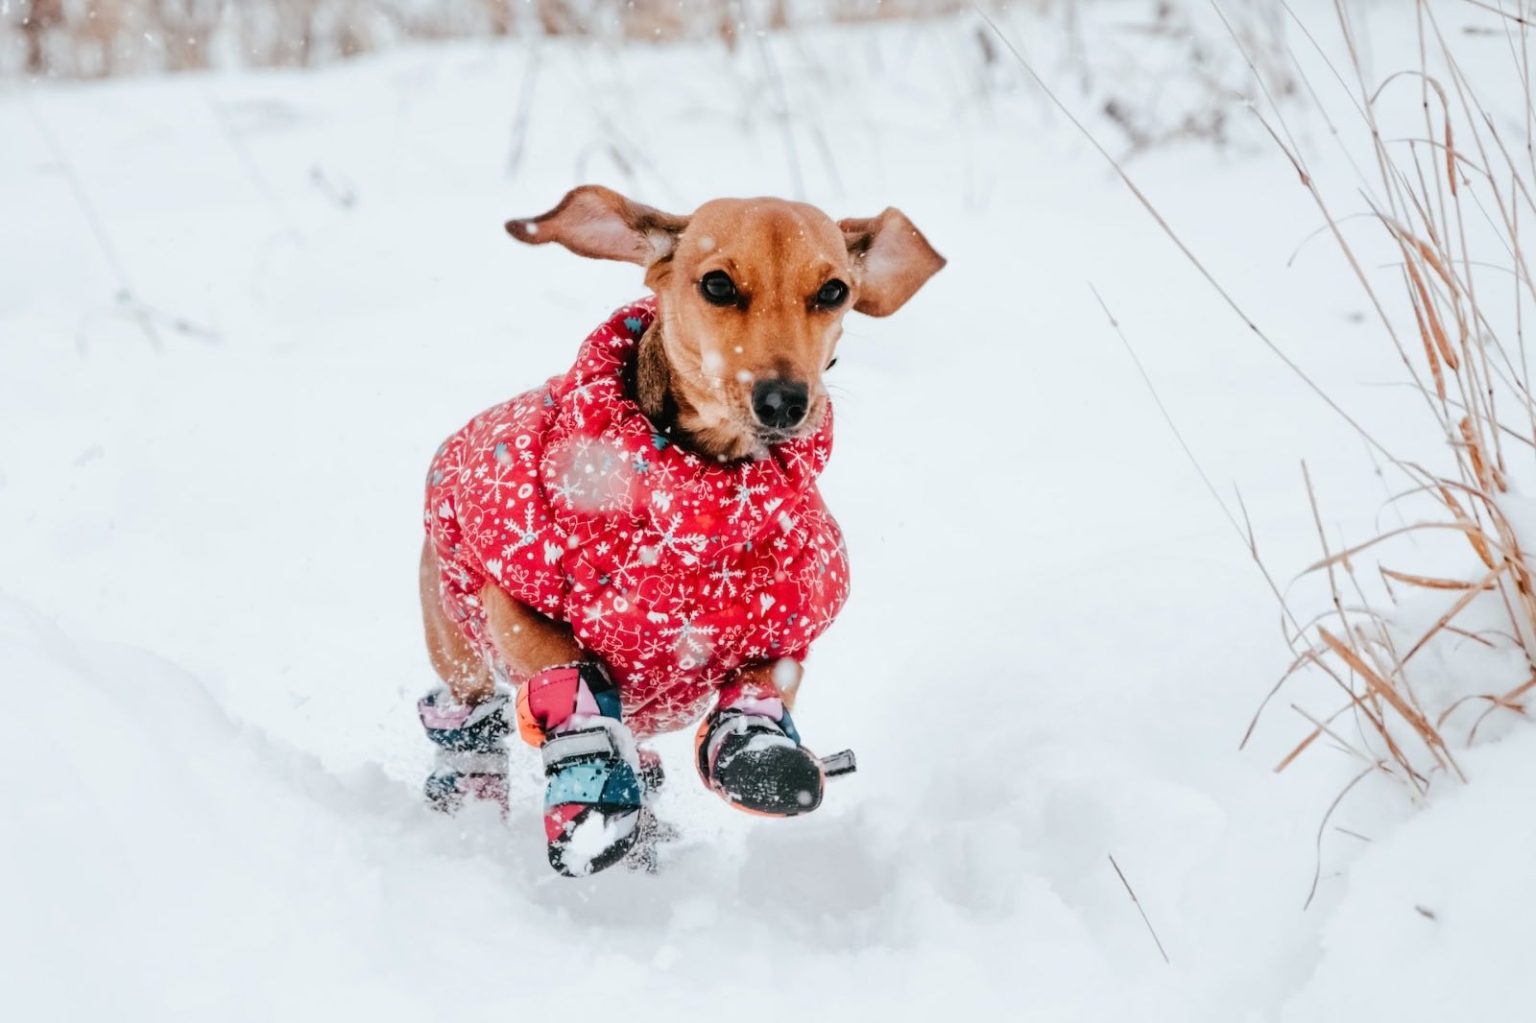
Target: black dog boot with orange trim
[(749, 754)]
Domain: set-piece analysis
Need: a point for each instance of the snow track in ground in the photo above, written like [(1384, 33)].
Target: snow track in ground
[(209, 637)]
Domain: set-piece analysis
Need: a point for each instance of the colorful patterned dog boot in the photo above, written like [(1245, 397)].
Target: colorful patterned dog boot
[(749, 754), (471, 750), (594, 802)]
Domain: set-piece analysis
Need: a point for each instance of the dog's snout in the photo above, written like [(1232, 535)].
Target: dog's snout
[(780, 404)]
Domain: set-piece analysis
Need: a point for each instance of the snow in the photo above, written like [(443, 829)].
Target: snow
[(594, 836), (208, 621)]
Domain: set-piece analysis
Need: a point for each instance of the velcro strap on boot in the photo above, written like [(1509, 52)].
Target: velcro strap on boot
[(478, 728), (835, 765), (471, 761), (587, 744), (737, 723)]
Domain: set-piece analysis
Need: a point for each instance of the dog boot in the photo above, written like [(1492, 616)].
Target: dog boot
[(471, 750), (594, 802), (749, 754)]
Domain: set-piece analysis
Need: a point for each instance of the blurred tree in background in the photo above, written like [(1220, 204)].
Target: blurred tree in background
[(1161, 71), (96, 38)]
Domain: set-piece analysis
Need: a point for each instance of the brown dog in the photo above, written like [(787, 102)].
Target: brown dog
[(700, 361), (749, 307)]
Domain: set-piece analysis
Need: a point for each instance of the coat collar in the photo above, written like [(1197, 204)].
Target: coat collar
[(616, 459)]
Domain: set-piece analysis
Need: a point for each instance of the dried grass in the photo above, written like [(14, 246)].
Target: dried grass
[(1469, 372), (1474, 383)]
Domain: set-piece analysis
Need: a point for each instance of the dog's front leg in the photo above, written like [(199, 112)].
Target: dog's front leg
[(526, 640), (567, 706), (749, 750), (781, 677)]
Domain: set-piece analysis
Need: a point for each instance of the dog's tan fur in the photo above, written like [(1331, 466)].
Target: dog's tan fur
[(698, 362)]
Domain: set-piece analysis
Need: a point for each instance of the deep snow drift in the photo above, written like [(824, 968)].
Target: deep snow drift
[(208, 629)]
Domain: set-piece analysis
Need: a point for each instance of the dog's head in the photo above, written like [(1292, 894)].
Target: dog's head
[(751, 295)]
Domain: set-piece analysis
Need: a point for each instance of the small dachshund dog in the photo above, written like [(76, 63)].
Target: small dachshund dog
[(639, 545)]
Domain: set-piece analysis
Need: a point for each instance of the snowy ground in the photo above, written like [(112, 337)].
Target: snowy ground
[(208, 628)]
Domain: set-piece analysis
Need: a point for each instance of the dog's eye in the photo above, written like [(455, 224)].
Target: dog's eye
[(832, 294), (718, 288), (831, 364)]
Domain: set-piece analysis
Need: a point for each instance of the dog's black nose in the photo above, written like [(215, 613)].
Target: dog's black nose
[(780, 404)]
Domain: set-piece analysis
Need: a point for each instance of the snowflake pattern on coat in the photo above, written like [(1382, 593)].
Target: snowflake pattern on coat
[(671, 567)]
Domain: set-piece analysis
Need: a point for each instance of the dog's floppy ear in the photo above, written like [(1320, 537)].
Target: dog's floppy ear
[(892, 260), (599, 222)]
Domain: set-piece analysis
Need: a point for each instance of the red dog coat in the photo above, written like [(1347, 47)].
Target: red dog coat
[(671, 567)]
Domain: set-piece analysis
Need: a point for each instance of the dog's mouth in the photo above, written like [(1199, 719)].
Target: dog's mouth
[(770, 437)]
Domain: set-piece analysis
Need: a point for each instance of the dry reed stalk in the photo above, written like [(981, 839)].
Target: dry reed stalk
[(1430, 583), (1473, 381), (1467, 374)]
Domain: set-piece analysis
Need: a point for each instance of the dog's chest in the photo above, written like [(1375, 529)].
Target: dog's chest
[(596, 529)]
